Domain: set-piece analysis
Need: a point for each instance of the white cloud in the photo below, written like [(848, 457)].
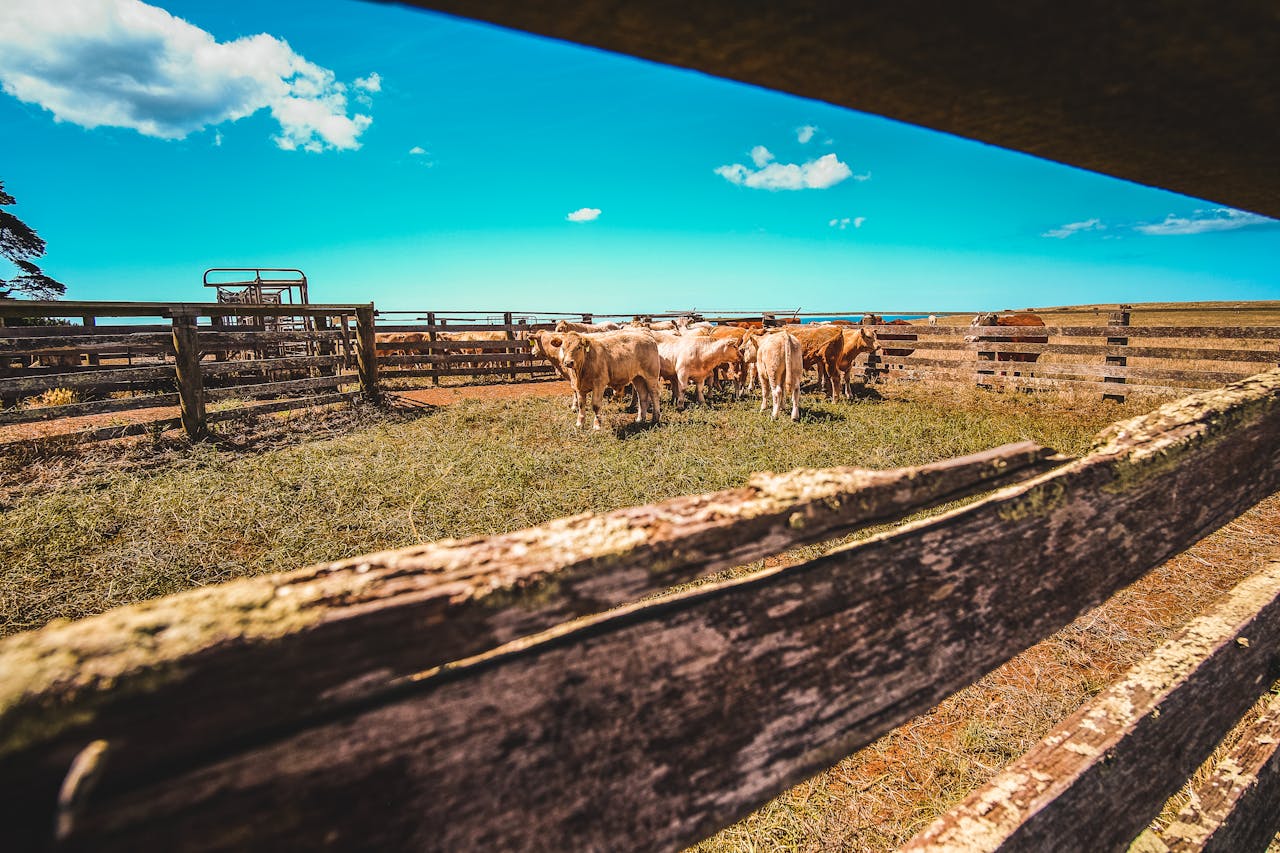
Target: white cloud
[(826, 171), (804, 134), (760, 156), (372, 83), (417, 151), (865, 176), (1203, 221), (1065, 231), (842, 224), (584, 214), (123, 63), (217, 139)]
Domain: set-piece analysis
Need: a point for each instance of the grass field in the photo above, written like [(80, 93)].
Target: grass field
[(85, 532), (77, 544)]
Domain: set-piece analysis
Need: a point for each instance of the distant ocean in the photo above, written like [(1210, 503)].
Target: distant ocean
[(854, 318)]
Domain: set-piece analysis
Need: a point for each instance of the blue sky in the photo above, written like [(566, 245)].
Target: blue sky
[(427, 162)]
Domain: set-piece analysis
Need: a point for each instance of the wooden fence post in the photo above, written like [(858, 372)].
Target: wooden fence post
[(1118, 319), (511, 336), (89, 322), (586, 318), (367, 353), (432, 353), (186, 363)]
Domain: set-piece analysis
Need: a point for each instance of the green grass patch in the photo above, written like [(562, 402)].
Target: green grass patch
[(474, 468)]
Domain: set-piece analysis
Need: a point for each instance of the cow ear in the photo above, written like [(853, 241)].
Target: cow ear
[(586, 346)]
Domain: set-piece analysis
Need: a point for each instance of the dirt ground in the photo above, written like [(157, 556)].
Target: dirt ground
[(441, 396)]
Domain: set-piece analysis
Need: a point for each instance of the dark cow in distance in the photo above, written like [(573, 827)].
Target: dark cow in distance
[(1021, 320), (898, 352)]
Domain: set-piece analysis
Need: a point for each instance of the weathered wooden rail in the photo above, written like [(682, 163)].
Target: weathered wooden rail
[(1120, 359), (187, 362), (520, 692)]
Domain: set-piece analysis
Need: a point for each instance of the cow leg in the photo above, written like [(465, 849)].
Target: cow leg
[(580, 404), (698, 383), (597, 400), (764, 393), (795, 402), (777, 400)]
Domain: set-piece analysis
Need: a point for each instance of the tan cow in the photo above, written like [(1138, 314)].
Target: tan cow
[(566, 326), (687, 358), (840, 358), (595, 361), (779, 363)]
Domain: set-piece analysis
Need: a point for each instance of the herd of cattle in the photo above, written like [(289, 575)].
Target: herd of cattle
[(597, 357)]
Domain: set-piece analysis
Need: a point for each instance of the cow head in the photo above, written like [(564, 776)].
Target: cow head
[(573, 350), (871, 340), (988, 319)]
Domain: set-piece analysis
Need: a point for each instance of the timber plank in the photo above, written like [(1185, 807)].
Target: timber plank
[(95, 407), (654, 725), (450, 600), (1099, 778), (288, 387), (1234, 809)]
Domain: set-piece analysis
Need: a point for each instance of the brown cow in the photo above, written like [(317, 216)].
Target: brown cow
[(595, 361), (840, 358), (1022, 320), (814, 340), (779, 363)]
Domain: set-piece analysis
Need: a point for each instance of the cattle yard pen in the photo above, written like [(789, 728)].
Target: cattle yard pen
[(325, 347), (530, 691), (193, 359)]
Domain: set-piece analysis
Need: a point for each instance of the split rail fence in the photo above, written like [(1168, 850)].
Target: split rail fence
[(529, 691), (213, 371), (193, 360), (1113, 359)]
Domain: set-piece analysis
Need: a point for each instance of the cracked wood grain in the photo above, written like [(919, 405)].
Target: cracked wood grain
[(212, 662), (1098, 779)]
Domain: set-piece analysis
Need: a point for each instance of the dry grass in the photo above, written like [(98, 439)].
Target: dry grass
[(126, 532)]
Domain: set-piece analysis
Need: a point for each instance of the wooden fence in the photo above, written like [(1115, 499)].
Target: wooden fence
[(1113, 359), (431, 352), (181, 362), (327, 347), (530, 692)]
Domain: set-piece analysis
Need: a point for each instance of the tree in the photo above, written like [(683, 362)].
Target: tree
[(19, 244)]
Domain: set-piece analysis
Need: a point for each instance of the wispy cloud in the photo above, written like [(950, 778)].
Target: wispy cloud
[(372, 83), (804, 134), (819, 174), (1062, 232), (123, 63), (584, 214), (1203, 221), (417, 151), (1198, 222), (217, 139), (843, 223)]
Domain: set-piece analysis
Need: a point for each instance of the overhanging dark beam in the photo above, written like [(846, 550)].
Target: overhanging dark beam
[(1175, 94)]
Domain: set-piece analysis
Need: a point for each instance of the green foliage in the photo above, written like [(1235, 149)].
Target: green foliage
[(20, 244)]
